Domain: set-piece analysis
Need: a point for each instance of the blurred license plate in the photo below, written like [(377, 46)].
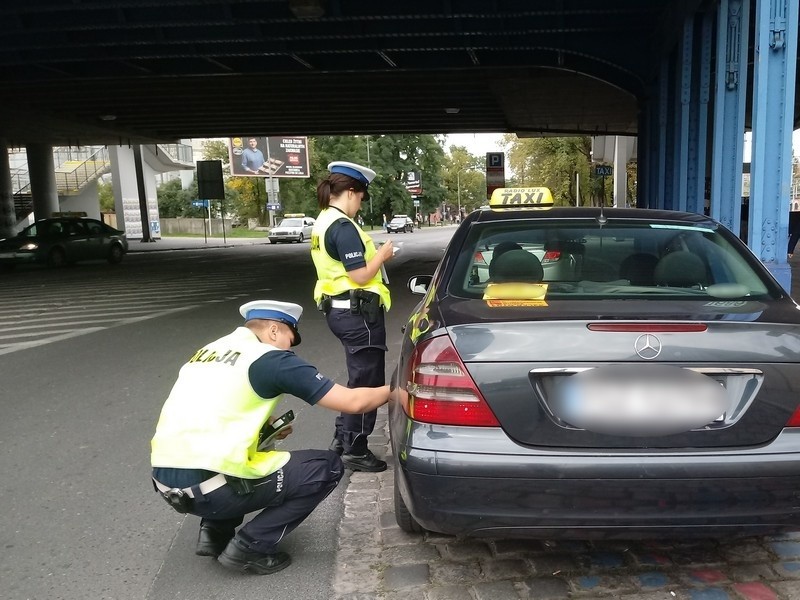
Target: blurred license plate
[(645, 400)]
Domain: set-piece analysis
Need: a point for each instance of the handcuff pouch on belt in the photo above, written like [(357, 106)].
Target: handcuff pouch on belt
[(241, 487), (365, 303), (325, 305), (178, 499)]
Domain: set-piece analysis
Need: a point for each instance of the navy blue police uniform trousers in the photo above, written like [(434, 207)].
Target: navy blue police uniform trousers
[(285, 498), (365, 350)]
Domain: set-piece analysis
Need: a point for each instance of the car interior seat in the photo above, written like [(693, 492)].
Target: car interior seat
[(504, 247), (639, 268), (515, 265), (680, 269)]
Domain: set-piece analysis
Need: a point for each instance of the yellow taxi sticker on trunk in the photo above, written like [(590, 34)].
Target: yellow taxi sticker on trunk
[(510, 303), (515, 291)]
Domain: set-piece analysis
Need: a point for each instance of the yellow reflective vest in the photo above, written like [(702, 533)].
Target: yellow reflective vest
[(212, 417), (332, 278)]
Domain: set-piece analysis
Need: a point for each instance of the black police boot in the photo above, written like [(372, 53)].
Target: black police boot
[(239, 557), (211, 542), (364, 462), (336, 446)]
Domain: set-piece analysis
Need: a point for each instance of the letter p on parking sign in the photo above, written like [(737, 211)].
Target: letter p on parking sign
[(495, 160)]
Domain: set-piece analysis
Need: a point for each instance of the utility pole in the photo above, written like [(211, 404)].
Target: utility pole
[(458, 183)]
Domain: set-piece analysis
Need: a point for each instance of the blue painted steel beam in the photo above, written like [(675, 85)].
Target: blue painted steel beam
[(729, 107), (698, 118), (666, 116), (683, 101), (658, 155), (773, 112)]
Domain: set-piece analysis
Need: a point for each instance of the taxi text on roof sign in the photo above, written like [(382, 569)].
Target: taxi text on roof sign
[(533, 197)]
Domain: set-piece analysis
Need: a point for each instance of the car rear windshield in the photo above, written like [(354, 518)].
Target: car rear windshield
[(578, 259)]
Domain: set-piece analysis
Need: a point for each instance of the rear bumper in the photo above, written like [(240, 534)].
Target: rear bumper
[(598, 495)]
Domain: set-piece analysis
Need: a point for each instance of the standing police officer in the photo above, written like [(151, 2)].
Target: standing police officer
[(352, 294), (206, 455)]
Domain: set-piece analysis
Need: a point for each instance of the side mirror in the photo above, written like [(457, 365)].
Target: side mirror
[(419, 284)]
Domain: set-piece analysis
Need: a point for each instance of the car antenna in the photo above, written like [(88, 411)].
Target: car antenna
[(601, 218)]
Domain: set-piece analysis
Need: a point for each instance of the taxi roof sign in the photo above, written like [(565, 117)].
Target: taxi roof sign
[(531, 197)]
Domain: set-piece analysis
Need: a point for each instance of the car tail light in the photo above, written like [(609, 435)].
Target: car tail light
[(441, 391), (478, 259), (794, 420), (551, 256)]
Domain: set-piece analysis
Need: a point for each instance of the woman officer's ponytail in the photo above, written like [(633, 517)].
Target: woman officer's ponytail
[(334, 185)]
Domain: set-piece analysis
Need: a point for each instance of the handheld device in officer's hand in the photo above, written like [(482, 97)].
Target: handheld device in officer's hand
[(266, 437)]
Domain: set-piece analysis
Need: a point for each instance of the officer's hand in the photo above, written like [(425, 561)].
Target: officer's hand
[(386, 251), (283, 433)]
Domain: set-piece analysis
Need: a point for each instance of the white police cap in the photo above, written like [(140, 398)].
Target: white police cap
[(274, 310), (358, 172)]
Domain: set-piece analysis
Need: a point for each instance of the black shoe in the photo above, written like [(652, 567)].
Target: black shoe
[(336, 446), (211, 542), (240, 558), (364, 462)]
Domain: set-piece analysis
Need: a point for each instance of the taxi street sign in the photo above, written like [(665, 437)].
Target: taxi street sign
[(604, 170), (203, 203)]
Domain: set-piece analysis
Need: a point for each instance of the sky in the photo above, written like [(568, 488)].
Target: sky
[(478, 144)]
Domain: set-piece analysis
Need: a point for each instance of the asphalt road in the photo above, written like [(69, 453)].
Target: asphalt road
[(87, 356)]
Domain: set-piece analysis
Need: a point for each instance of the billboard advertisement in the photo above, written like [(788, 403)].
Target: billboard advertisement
[(259, 156)]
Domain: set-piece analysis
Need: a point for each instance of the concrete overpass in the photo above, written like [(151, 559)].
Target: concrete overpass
[(687, 77)]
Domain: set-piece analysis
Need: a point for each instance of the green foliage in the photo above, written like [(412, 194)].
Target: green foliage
[(553, 162), (174, 201), (464, 181), (105, 193)]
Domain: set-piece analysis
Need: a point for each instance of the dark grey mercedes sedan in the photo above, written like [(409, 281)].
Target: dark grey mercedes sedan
[(597, 373)]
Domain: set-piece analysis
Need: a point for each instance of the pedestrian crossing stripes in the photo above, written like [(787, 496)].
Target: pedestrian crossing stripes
[(39, 310)]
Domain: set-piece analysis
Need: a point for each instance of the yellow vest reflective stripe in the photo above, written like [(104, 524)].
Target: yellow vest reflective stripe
[(332, 278), (212, 416)]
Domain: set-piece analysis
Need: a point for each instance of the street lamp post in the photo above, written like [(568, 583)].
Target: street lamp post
[(458, 193)]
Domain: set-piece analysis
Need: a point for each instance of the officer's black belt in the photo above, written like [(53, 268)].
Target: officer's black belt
[(205, 487)]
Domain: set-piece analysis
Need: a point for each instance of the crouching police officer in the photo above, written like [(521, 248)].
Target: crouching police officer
[(205, 452), (351, 292)]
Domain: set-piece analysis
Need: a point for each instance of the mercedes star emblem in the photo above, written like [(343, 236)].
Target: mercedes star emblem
[(647, 346)]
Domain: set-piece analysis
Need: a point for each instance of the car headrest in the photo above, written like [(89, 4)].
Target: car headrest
[(516, 265), (504, 247), (680, 269), (564, 246), (639, 268)]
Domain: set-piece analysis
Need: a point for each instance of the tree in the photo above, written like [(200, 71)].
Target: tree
[(464, 181), (174, 201), (105, 193), (553, 162)]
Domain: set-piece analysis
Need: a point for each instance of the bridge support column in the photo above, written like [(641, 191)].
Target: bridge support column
[(662, 144), (698, 118), (135, 198), (8, 219), (43, 180), (773, 103), (733, 31)]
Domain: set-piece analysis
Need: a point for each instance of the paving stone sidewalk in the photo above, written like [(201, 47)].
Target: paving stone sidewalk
[(376, 560)]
